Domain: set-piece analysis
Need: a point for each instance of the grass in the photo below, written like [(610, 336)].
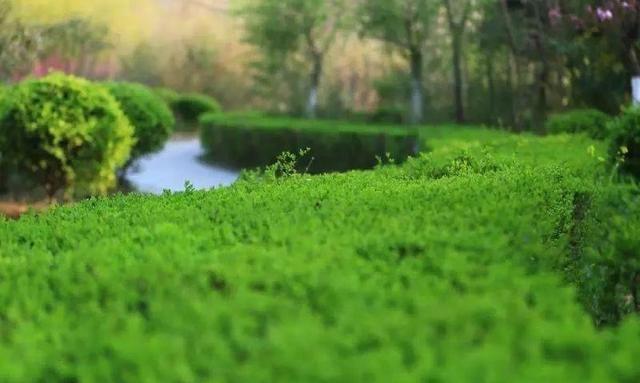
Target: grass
[(467, 264)]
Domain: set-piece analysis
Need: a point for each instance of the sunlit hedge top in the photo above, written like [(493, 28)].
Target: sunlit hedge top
[(65, 132), (148, 113)]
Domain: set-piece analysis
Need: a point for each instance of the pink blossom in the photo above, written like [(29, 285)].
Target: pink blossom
[(555, 15), (604, 14)]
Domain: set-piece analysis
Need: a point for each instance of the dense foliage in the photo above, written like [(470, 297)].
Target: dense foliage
[(167, 94), (625, 141), (588, 121), (456, 267), (189, 107), (66, 133), (387, 115), (248, 141), (148, 113)]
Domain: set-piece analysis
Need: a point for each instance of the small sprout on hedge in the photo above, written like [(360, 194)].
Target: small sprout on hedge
[(188, 187)]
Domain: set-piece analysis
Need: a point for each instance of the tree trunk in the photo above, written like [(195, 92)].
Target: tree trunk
[(543, 79), (635, 76), (540, 40), (512, 75), (417, 92), (514, 66), (457, 75), (316, 74), (3, 181), (492, 89)]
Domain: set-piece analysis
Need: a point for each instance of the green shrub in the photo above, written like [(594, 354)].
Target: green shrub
[(450, 268), (65, 132), (589, 121), (189, 107), (625, 141), (166, 94), (609, 272), (382, 115), (254, 141), (387, 115), (149, 115)]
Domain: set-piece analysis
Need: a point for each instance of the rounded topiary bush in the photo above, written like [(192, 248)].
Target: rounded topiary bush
[(150, 116), (625, 141), (588, 121), (189, 107), (65, 133)]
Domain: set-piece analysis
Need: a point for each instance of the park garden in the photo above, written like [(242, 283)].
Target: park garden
[(389, 232)]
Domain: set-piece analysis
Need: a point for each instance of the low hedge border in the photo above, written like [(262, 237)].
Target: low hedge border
[(249, 141)]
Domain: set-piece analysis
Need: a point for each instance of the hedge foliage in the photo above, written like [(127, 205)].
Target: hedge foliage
[(248, 141), (148, 113), (64, 132), (189, 107), (464, 265), (588, 121), (625, 141), (167, 94)]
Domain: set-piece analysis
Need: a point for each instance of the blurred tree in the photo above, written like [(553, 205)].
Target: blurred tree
[(405, 24), (457, 12), (142, 65), (76, 44), (19, 44), (617, 24), (131, 21), (280, 29)]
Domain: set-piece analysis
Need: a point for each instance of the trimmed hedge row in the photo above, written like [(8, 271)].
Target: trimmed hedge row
[(188, 108), (588, 121), (453, 267), (625, 141), (249, 141), (622, 132)]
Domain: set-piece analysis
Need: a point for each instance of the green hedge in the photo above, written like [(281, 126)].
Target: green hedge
[(167, 94), (625, 141), (64, 133), (589, 121), (455, 267), (254, 141), (148, 113), (190, 106)]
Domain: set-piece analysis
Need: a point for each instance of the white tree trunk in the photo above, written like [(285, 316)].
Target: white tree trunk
[(417, 101), (312, 102), (417, 92), (635, 87)]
